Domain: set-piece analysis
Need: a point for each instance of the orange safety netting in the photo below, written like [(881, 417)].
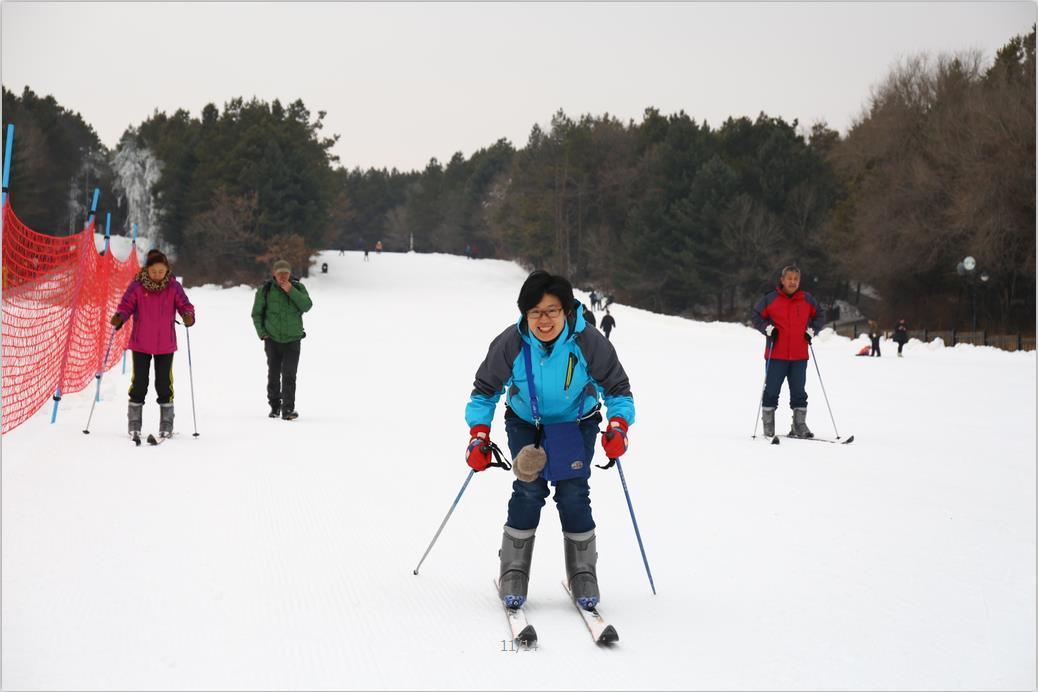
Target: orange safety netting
[(58, 295)]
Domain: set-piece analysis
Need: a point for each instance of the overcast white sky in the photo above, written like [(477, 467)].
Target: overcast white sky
[(405, 82)]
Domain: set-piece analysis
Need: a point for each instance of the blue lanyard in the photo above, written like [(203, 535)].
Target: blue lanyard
[(529, 381)]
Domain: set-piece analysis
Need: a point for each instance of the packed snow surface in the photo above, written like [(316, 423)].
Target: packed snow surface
[(267, 554)]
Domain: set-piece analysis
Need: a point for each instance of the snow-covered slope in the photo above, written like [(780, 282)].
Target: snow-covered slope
[(274, 555)]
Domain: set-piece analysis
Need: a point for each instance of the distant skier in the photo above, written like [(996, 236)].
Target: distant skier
[(365, 254), (589, 315), (277, 313), (874, 335), (789, 317), (900, 336), (608, 323), (153, 299), (551, 423), (594, 300)]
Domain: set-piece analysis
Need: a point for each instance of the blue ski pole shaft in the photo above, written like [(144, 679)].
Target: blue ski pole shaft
[(100, 372), (811, 346), (637, 533), (760, 403), (191, 378), (444, 522)]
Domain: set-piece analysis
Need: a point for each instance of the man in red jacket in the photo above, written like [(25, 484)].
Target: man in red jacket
[(789, 317)]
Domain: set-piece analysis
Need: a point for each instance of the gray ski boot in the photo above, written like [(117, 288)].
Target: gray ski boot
[(166, 420), (516, 554), (767, 415), (135, 417), (800, 428), (581, 557)]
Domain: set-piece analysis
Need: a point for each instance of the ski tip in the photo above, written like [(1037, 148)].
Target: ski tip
[(849, 440), (528, 636), (608, 636)]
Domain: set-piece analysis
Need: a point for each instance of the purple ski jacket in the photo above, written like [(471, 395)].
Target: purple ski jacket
[(153, 313)]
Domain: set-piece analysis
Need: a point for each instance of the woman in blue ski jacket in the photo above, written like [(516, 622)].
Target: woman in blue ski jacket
[(551, 420)]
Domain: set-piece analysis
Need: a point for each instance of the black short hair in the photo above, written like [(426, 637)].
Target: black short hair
[(540, 282)]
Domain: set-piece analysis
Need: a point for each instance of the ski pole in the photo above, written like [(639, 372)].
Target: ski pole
[(191, 379), (100, 372), (763, 389), (634, 521), (815, 359), (444, 522), (500, 463)]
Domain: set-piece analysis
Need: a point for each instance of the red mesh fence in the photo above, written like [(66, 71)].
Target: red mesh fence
[(58, 295)]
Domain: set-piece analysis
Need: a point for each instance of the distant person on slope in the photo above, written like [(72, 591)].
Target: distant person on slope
[(153, 299), (789, 317), (900, 336), (551, 420), (277, 313), (874, 338), (608, 323)]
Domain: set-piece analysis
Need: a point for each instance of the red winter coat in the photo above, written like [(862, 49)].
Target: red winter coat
[(791, 315), (153, 313)]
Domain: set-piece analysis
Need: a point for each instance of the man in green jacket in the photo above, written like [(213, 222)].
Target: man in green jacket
[(277, 312)]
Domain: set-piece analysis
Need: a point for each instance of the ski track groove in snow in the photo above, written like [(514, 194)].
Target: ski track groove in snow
[(270, 555)]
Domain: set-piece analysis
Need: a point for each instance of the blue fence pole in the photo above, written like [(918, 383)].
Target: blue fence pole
[(57, 399), (93, 205), (8, 148), (108, 231)]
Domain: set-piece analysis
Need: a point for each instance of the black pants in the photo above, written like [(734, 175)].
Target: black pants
[(163, 377), (282, 362), (607, 333), (875, 347)]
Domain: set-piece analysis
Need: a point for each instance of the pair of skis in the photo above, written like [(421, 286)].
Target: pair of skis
[(524, 634), (153, 440), (775, 439)]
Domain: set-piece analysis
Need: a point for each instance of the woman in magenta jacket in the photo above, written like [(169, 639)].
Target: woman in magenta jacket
[(153, 299)]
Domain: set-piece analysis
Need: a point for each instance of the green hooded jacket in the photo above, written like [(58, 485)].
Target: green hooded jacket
[(279, 315)]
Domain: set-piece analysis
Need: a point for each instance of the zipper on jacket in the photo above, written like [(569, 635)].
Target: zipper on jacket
[(569, 371)]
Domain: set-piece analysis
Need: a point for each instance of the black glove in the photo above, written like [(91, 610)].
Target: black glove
[(117, 321), (807, 336)]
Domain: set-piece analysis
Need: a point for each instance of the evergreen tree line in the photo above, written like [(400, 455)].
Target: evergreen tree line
[(667, 213)]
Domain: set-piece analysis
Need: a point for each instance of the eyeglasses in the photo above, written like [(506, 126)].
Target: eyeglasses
[(551, 312)]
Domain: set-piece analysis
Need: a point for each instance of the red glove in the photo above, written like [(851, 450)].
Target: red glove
[(614, 440), (478, 453)]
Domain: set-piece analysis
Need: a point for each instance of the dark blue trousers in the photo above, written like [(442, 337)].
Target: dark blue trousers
[(793, 370), (572, 496)]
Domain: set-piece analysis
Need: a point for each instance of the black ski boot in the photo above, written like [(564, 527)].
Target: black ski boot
[(800, 428), (767, 415), (581, 558), (516, 554), (135, 417), (166, 420)]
